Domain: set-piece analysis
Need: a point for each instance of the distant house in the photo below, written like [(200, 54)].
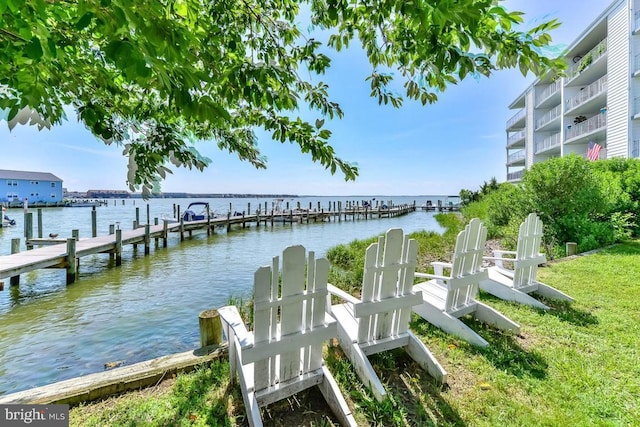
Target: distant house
[(35, 186), (107, 194)]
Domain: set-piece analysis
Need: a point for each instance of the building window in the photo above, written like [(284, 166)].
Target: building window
[(53, 185), (12, 182), (53, 195)]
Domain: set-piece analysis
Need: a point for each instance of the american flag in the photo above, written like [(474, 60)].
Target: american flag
[(594, 151)]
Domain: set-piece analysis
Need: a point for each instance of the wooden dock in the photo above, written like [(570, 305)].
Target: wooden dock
[(66, 253)]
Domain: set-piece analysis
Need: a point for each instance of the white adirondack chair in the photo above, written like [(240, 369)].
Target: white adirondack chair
[(283, 355), (447, 298), (380, 320), (516, 284)]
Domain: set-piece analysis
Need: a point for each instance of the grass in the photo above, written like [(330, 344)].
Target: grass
[(574, 365)]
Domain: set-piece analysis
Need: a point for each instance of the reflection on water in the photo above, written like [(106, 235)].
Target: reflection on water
[(148, 307)]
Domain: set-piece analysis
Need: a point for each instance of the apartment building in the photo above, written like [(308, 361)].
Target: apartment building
[(598, 101)]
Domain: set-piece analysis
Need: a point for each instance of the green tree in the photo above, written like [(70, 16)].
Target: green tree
[(157, 75), (570, 198)]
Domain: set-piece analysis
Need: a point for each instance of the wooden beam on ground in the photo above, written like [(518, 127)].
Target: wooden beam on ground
[(116, 381)]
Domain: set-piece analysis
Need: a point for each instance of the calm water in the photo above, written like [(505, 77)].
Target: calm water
[(149, 306)]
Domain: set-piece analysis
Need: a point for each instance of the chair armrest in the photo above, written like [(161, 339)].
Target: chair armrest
[(342, 294), (499, 252), (231, 319), (438, 267), (430, 276), (497, 258)]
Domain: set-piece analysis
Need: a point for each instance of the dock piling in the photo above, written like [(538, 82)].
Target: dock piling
[(72, 261), (118, 247), (39, 223), (210, 328), (94, 222), (15, 248)]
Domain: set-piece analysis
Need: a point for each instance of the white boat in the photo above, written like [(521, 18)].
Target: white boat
[(6, 221), (281, 214), (198, 211)]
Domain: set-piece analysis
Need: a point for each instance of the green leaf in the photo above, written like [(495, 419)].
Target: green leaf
[(34, 49), (84, 21)]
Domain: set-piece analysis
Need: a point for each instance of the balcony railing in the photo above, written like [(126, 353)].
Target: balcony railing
[(516, 137), (589, 125), (518, 155), (636, 106), (516, 118), (635, 148), (512, 176), (594, 89), (548, 91), (549, 142), (590, 57), (549, 116), (637, 21), (636, 64)]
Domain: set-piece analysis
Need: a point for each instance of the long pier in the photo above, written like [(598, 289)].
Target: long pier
[(65, 253)]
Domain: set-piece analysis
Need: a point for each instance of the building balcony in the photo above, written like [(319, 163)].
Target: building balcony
[(515, 138), (635, 149), (636, 27), (550, 95), (515, 176), (516, 158), (548, 143), (517, 120), (588, 97), (591, 61), (636, 66), (588, 128), (636, 108), (549, 117)]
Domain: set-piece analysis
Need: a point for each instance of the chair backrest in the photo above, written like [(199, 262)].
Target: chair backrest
[(289, 317), (528, 255), (466, 269), (387, 295)]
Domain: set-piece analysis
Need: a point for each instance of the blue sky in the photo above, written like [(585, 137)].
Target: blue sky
[(459, 142)]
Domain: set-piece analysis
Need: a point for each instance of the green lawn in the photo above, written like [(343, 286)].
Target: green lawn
[(575, 365)]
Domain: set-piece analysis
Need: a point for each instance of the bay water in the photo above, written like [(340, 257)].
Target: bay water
[(148, 307)]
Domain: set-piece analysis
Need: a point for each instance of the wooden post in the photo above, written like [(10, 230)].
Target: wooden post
[(181, 229), (572, 248), (155, 222), (229, 219), (148, 215), (208, 222), (165, 232), (72, 262), (147, 238), (112, 228), (28, 225), (137, 215), (118, 247), (40, 223), (15, 248), (94, 222), (179, 216), (210, 328), (174, 210)]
